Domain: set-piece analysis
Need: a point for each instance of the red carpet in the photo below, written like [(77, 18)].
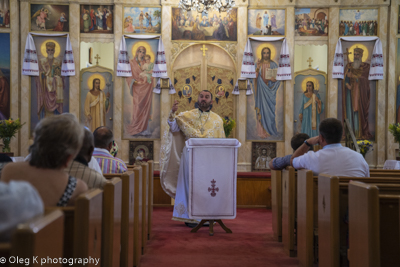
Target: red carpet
[(250, 244)]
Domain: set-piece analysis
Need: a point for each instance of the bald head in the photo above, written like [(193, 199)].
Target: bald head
[(103, 137)]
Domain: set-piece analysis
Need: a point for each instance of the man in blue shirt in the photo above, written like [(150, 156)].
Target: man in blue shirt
[(280, 163)]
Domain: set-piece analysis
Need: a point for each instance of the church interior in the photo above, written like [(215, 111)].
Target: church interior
[(305, 43)]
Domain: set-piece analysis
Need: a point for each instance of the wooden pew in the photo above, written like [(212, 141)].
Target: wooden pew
[(373, 226), (88, 225), (307, 219), (145, 204), (149, 195), (131, 183), (41, 236), (111, 242), (138, 214), (288, 210), (307, 212), (332, 209), (83, 226), (384, 173), (151, 198), (276, 203)]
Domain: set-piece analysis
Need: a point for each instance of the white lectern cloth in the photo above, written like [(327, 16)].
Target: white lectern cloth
[(212, 178)]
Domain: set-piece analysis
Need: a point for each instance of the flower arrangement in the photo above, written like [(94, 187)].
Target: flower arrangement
[(364, 146), (8, 129), (229, 125), (394, 129)]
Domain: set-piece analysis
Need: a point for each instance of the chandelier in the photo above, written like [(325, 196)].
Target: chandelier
[(205, 5)]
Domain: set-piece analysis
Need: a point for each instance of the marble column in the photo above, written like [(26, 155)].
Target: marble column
[(289, 100), (381, 87), (123, 145), (25, 81), (74, 81), (14, 71), (244, 152)]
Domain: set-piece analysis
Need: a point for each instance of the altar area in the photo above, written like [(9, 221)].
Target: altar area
[(215, 63)]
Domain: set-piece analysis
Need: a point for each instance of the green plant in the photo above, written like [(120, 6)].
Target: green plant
[(394, 129), (8, 129), (229, 125), (364, 146)]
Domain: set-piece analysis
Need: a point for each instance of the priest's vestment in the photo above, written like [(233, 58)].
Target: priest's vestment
[(174, 157)]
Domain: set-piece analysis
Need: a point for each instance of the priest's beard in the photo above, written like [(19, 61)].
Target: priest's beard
[(204, 105), (356, 63), (50, 56)]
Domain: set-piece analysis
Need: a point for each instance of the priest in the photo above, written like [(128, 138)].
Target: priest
[(197, 123)]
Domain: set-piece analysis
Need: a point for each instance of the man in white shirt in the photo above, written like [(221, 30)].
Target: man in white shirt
[(333, 158)]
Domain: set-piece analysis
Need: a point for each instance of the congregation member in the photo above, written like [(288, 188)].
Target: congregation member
[(103, 143), (280, 163), (79, 166), (333, 158), (19, 201), (92, 163), (196, 123), (57, 141)]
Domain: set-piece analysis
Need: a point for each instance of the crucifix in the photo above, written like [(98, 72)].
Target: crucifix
[(204, 49), (347, 54), (309, 62), (97, 59)]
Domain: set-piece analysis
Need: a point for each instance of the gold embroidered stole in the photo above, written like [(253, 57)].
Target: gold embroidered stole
[(197, 124)]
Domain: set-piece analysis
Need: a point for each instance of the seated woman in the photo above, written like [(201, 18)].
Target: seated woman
[(57, 140), (19, 201)]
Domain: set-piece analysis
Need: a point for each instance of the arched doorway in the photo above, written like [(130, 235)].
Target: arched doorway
[(205, 67)]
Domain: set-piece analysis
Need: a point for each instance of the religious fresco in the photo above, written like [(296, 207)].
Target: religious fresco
[(358, 22), (142, 20), (357, 94), (96, 19), (49, 90), (266, 22), (141, 107), (214, 26), (5, 14), (311, 22), (398, 82), (54, 18), (265, 108), (309, 101), (261, 154), (96, 97), (5, 76), (140, 152)]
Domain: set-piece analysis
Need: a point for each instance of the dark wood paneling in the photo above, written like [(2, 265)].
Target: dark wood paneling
[(160, 197), (251, 192), (254, 192)]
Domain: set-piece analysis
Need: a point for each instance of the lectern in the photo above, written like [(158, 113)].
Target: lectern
[(212, 180)]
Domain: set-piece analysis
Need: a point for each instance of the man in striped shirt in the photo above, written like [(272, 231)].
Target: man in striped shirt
[(79, 166), (103, 140)]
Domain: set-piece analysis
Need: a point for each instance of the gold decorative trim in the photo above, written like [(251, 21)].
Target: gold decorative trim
[(178, 47)]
